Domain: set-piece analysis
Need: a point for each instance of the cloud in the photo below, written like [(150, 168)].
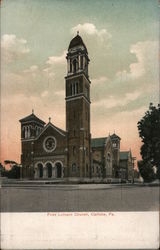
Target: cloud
[(147, 60), (100, 80), (113, 101), (32, 69), (98, 43), (54, 60), (13, 48), (44, 93), (60, 93), (132, 87), (91, 30)]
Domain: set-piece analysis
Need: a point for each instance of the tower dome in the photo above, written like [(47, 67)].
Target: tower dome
[(76, 42)]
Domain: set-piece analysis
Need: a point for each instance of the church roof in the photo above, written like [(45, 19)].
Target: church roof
[(32, 117), (98, 142), (114, 136), (124, 155), (77, 41), (59, 129)]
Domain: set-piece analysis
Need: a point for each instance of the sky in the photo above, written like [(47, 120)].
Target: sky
[(122, 41)]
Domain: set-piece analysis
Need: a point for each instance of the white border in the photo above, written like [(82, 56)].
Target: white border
[(80, 230)]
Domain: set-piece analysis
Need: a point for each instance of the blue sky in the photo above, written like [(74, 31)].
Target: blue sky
[(122, 40)]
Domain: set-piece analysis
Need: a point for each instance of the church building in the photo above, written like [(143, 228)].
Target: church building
[(50, 152)]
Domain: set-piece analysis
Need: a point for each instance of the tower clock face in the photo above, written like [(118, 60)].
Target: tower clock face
[(49, 144)]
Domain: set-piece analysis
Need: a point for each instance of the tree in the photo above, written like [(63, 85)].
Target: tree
[(13, 173), (146, 171), (149, 131)]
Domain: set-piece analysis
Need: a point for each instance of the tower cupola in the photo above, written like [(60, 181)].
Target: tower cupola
[(77, 56)]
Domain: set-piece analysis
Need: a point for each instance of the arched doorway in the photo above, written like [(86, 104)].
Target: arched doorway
[(40, 170), (59, 169), (49, 169)]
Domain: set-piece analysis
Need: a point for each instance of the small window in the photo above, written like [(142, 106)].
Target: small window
[(73, 167), (74, 150), (77, 90), (87, 167), (81, 62), (74, 89), (70, 67)]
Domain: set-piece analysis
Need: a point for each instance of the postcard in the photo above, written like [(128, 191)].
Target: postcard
[(80, 122)]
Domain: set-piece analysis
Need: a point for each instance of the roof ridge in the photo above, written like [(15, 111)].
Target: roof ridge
[(31, 116)]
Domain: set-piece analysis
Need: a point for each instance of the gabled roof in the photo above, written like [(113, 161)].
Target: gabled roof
[(98, 142), (124, 155), (77, 41), (60, 131), (114, 136), (32, 117)]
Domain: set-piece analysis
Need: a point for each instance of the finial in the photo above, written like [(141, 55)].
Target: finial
[(32, 111), (77, 32), (49, 119)]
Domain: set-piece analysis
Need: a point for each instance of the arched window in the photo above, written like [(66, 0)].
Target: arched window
[(108, 158), (25, 132), (49, 169), (74, 66), (36, 130), (70, 66), (29, 132), (59, 169), (81, 62)]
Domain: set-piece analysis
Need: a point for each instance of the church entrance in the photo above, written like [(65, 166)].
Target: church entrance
[(40, 170), (49, 169), (59, 169)]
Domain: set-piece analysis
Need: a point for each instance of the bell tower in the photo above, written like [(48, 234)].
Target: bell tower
[(78, 109)]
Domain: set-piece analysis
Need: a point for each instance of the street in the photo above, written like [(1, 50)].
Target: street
[(86, 197)]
